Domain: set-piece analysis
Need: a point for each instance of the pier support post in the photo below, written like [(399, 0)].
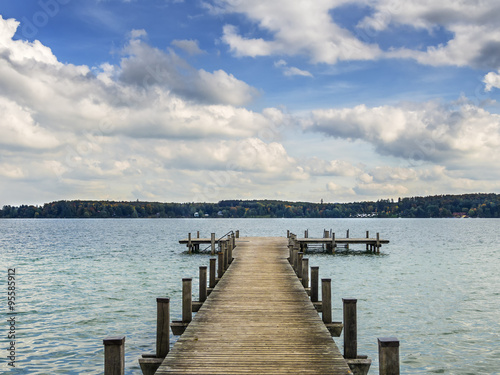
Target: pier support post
[(350, 329), (225, 247), (114, 355), (212, 276), (347, 236), (202, 289), (334, 245), (190, 244), (305, 274), (388, 355), (187, 300), (179, 326), (300, 256), (326, 297), (314, 284), (238, 233), (358, 364), (220, 263), (203, 283), (149, 363), (367, 236), (378, 243), (198, 234), (295, 257), (162, 327), (212, 240)]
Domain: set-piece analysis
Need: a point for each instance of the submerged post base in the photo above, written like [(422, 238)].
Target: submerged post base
[(335, 328), (149, 364), (359, 366), (178, 327)]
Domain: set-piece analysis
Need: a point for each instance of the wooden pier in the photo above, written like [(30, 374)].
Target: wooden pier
[(257, 320), (259, 315)]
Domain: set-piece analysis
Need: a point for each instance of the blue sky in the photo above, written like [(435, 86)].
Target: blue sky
[(223, 99)]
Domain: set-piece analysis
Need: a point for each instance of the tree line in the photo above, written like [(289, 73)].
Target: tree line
[(464, 205)]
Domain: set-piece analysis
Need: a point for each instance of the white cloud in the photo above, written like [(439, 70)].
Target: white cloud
[(297, 28), (291, 70), (463, 136), (492, 80), (475, 39), (189, 46)]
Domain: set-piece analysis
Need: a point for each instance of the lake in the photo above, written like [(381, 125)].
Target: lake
[(436, 287)]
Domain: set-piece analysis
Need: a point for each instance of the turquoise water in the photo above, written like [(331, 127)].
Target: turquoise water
[(436, 287)]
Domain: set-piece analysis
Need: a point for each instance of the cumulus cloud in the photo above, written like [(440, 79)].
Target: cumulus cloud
[(307, 28), (291, 70), (189, 46), (492, 80), (473, 26), (297, 28), (146, 66), (430, 131)]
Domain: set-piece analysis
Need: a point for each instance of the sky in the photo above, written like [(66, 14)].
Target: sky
[(200, 101)]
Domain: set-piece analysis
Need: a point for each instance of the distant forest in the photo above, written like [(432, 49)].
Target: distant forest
[(465, 205)]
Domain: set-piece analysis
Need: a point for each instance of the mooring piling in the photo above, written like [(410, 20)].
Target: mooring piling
[(114, 355)]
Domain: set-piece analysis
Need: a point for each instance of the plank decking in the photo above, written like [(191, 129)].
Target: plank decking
[(257, 320)]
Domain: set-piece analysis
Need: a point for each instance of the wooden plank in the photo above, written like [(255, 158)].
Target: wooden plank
[(257, 320)]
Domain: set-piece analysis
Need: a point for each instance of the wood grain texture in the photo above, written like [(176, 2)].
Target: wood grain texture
[(257, 320)]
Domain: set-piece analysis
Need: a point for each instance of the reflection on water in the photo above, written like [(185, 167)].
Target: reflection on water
[(435, 287)]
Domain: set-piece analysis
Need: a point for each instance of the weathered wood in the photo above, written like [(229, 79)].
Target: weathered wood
[(190, 244), (212, 276), (187, 300), (350, 329), (388, 355), (220, 264), (203, 284), (305, 273), (162, 327), (258, 320), (326, 297), (314, 284), (114, 355), (300, 256), (212, 243)]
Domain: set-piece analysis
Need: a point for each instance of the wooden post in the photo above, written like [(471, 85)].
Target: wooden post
[(238, 233), (230, 255), (190, 245), (198, 234), (347, 244), (326, 297), (388, 355), (300, 256), (350, 329), (220, 264), (295, 259), (367, 236), (213, 262), (203, 284), (314, 283), (225, 251), (162, 327), (186, 300), (114, 355), (378, 243), (305, 272), (334, 245), (212, 240), (288, 233)]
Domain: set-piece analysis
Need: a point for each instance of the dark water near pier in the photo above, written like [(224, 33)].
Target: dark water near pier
[(436, 287)]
